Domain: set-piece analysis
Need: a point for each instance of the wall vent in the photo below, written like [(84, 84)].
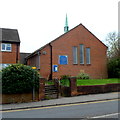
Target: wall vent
[(44, 52)]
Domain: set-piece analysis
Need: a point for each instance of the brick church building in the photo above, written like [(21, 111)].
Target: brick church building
[(77, 50)]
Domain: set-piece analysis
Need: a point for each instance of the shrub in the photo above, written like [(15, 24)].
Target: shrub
[(64, 80), (65, 76), (83, 76), (18, 78), (114, 68)]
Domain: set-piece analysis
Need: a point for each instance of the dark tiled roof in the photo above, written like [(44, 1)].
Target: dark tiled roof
[(9, 35), (22, 57)]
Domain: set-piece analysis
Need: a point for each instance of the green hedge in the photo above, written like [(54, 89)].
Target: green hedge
[(18, 78)]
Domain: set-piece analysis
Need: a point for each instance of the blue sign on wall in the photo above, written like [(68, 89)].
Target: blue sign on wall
[(63, 59), (55, 68)]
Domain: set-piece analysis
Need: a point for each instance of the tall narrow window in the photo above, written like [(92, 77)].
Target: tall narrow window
[(75, 57), (81, 54), (37, 61), (88, 56)]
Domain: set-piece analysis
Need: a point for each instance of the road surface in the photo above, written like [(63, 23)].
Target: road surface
[(97, 109)]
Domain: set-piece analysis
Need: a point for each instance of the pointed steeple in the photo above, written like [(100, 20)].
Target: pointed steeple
[(66, 28)]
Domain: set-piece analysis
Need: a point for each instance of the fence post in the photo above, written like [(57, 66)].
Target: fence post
[(41, 88), (73, 86)]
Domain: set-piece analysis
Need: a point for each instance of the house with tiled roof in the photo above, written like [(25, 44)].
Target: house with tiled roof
[(9, 47)]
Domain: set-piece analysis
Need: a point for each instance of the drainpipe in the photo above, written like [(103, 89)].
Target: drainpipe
[(38, 53), (17, 53), (50, 61)]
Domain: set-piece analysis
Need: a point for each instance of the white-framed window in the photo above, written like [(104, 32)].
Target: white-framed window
[(81, 54), (75, 55), (88, 56), (6, 47)]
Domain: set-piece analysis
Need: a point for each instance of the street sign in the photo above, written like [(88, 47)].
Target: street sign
[(55, 68)]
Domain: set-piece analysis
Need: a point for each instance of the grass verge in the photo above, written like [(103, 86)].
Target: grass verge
[(81, 82)]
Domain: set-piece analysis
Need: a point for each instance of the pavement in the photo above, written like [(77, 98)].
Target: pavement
[(62, 101)]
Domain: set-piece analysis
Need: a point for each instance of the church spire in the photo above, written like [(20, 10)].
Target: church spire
[(66, 28)]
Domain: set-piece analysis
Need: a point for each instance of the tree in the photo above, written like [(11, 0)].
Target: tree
[(113, 53), (114, 68), (113, 43)]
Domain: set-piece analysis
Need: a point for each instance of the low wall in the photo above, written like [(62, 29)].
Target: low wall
[(65, 91), (25, 97), (94, 89), (91, 89), (18, 98)]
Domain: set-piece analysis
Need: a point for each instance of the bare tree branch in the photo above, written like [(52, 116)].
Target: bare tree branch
[(113, 42)]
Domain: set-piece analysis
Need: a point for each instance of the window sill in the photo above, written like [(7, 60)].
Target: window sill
[(88, 64), (82, 64), (5, 51), (75, 63)]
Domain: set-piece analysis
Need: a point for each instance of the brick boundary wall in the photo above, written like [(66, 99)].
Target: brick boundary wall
[(75, 90), (94, 89), (25, 97), (18, 98), (42, 89)]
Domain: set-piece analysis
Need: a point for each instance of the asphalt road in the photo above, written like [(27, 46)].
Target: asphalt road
[(98, 109)]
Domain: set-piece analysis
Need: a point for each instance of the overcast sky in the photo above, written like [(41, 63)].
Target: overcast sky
[(41, 21)]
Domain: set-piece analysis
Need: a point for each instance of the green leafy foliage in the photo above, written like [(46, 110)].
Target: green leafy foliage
[(64, 80), (65, 76), (83, 76), (18, 78), (114, 68), (49, 83)]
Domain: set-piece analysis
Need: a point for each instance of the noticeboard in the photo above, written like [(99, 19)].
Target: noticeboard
[(63, 59)]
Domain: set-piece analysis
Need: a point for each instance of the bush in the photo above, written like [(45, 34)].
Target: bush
[(18, 78), (64, 80), (65, 76), (114, 68), (83, 76)]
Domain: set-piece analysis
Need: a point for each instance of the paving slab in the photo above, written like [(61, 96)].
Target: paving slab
[(62, 101)]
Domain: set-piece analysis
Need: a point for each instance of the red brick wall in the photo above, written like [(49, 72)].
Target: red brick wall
[(63, 46), (10, 57), (45, 64), (18, 98)]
